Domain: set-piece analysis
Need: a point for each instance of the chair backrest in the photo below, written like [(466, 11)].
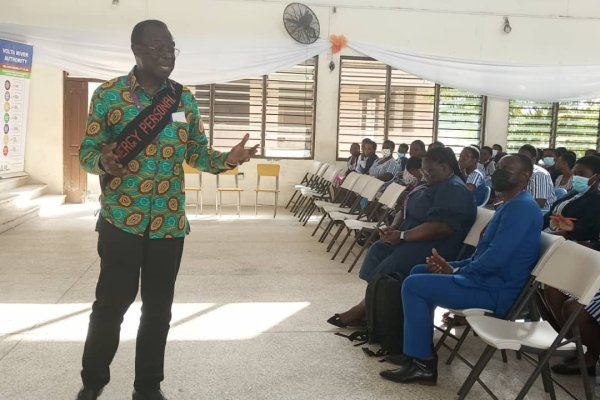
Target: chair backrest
[(560, 192), (314, 167), (484, 196), (332, 173), (230, 172), (548, 243), (321, 171), (572, 268), (483, 218), (350, 180), (190, 170), (267, 169), (360, 184), (390, 196), (371, 188)]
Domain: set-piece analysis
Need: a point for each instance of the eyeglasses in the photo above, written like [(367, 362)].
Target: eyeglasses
[(158, 51)]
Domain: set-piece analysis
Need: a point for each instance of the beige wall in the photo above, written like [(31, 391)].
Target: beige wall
[(544, 31), (43, 148)]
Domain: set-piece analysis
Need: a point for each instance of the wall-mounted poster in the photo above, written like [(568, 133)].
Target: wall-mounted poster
[(15, 72)]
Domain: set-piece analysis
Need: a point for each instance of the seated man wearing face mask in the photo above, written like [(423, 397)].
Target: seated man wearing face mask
[(386, 169), (492, 278)]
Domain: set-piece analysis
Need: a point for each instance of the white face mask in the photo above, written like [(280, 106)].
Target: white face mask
[(386, 153), (494, 153)]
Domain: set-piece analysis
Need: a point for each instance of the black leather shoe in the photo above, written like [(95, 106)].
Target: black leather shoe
[(88, 394), (148, 395), (415, 371), (398, 359)]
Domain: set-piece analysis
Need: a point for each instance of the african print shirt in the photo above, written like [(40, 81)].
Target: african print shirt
[(153, 191)]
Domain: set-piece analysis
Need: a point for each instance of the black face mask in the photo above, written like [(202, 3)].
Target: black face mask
[(501, 181)]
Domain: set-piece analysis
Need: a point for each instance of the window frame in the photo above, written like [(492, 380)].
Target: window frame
[(436, 106), (263, 133), (554, 123)]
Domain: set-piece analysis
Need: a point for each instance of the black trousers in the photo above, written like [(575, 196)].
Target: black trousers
[(124, 257)]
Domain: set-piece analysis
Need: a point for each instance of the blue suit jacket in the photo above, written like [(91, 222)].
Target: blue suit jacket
[(506, 253)]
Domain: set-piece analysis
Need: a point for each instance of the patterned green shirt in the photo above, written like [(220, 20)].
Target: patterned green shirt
[(153, 191)]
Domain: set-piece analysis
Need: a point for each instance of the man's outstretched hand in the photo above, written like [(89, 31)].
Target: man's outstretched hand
[(437, 264), (239, 154)]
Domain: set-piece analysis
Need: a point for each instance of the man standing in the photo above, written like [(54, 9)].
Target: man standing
[(140, 129)]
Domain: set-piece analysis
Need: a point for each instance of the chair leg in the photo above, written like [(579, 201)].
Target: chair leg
[(201, 205), (275, 206), (547, 381), (309, 214), (458, 345), (445, 335), (239, 203), (362, 249), (351, 247), (341, 244), (319, 224), (291, 198), (197, 203), (485, 358), (504, 357), (335, 237), (326, 231), (581, 360), (256, 205)]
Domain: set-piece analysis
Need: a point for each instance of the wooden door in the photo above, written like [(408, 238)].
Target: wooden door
[(75, 114)]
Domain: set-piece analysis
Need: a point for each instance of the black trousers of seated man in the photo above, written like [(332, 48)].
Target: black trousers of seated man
[(124, 258)]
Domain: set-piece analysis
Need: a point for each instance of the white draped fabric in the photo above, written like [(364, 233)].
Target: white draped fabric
[(524, 82), (105, 55), (206, 59)]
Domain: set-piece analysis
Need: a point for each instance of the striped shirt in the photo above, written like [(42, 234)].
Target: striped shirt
[(381, 167), (593, 308), (541, 187), (487, 169), (476, 178), (568, 186)]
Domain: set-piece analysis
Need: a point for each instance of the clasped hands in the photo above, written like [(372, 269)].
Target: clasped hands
[(239, 154)]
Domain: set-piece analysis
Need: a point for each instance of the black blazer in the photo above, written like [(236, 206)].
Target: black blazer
[(587, 211)]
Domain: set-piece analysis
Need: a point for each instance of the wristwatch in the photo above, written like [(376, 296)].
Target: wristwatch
[(402, 235)]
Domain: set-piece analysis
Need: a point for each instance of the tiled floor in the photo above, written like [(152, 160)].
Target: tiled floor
[(248, 321)]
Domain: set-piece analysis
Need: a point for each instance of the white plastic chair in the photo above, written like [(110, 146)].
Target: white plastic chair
[(570, 267)]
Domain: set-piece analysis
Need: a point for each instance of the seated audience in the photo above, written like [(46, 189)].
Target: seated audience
[(352, 162), (564, 165), (368, 157), (417, 149), (438, 215), (540, 186), (402, 153), (386, 169), (467, 162), (577, 215), (486, 165), (549, 161), (435, 145), (497, 153), (492, 278), (413, 165)]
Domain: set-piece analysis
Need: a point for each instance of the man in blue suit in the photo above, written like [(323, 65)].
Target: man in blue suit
[(492, 278)]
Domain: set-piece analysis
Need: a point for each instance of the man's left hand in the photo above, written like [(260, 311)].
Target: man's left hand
[(391, 236), (239, 154), (437, 264)]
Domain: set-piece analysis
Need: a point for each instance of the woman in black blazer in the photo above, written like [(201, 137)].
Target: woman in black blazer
[(577, 218)]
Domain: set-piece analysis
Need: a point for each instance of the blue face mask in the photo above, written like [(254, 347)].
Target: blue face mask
[(549, 161), (580, 184), (401, 155)]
